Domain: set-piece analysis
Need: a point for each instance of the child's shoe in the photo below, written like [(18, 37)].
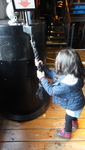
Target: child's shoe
[(63, 134), (74, 125)]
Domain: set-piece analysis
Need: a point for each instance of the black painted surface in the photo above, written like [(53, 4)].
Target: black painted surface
[(18, 80)]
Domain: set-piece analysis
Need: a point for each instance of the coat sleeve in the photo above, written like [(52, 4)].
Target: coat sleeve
[(49, 73), (54, 89)]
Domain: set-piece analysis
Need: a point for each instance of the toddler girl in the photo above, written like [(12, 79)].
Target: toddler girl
[(66, 88)]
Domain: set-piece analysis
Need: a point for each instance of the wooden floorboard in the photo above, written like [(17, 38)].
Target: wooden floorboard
[(54, 145), (39, 134)]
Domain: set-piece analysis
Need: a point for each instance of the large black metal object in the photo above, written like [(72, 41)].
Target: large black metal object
[(18, 80)]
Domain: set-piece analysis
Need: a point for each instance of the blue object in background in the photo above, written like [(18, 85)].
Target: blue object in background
[(78, 12), (79, 6)]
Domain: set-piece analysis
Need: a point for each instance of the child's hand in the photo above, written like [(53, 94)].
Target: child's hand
[(38, 62), (40, 74)]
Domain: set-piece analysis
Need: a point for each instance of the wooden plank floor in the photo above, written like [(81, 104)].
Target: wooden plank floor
[(39, 134)]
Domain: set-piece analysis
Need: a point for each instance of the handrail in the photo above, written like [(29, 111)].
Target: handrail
[(72, 34), (67, 11)]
